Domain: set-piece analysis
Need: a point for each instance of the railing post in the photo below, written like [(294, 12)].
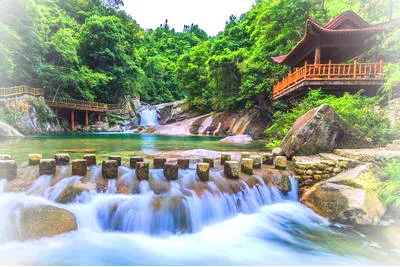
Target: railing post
[(355, 69), (380, 67), (305, 69), (329, 69)]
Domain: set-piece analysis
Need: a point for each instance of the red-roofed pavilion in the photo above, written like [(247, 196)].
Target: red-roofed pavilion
[(317, 61)]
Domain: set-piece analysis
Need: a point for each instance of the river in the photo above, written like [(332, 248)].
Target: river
[(257, 226)]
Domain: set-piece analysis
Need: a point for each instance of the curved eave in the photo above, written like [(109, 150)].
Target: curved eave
[(313, 29)]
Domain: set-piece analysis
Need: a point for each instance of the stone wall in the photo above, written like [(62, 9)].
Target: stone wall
[(312, 169), (394, 112)]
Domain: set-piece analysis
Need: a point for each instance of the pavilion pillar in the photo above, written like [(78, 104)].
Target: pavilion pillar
[(73, 121), (317, 56), (86, 118), (98, 116)]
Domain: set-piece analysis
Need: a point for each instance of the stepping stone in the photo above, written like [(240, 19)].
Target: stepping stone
[(133, 160), (117, 158), (34, 159), (232, 169), (183, 163), (142, 170), (62, 159), (109, 169), (90, 159), (280, 162), (79, 167), (225, 158), (203, 171), (159, 162), (247, 165), (171, 171), (47, 167), (8, 169), (209, 161)]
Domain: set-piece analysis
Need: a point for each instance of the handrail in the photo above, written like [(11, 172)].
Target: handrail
[(329, 71), (19, 91), (60, 101)]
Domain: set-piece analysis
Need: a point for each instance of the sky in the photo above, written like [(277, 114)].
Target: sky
[(210, 15)]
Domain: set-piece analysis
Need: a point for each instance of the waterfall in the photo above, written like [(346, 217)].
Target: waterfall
[(148, 116), (211, 226)]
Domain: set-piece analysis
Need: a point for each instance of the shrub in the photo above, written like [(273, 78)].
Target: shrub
[(360, 111), (389, 191)]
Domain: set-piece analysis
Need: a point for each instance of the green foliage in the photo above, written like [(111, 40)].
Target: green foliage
[(356, 109), (389, 191)]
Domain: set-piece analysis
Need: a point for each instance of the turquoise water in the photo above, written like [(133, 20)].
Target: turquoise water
[(124, 144)]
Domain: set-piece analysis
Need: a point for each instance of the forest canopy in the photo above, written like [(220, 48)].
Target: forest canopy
[(93, 50)]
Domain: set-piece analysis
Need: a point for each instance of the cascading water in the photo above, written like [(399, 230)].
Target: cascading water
[(258, 225), (148, 116)]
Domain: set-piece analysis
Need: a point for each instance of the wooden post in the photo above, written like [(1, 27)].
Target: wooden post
[(329, 69), (98, 116), (73, 124), (355, 69), (305, 69), (317, 56), (86, 118)]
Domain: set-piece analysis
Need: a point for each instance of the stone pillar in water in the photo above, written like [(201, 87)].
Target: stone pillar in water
[(79, 167), (142, 171), (280, 162), (47, 167), (246, 165), (268, 158), (203, 171), (159, 162), (116, 158), (110, 169), (133, 160), (225, 158), (257, 161), (209, 161), (232, 169), (171, 171), (62, 159), (183, 163), (8, 169), (34, 159), (90, 159)]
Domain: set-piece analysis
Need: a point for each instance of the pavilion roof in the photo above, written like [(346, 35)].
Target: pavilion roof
[(347, 25)]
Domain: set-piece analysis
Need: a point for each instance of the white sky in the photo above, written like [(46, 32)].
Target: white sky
[(210, 15)]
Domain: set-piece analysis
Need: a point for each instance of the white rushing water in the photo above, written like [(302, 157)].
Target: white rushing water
[(257, 226), (148, 116)]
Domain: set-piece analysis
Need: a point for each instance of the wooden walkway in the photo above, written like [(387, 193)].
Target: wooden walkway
[(353, 74), (60, 102)]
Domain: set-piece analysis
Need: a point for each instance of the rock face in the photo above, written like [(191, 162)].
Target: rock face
[(34, 116), (8, 131), (70, 193), (247, 122), (349, 197), (44, 221), (321, 130)]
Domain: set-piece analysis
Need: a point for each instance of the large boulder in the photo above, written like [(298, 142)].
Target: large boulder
[(44, 220), (321, 130), (350, 197)]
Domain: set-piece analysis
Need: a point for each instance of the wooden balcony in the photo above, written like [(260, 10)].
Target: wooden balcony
[(330, 76)]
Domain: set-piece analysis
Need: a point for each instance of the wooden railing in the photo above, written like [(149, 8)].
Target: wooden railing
[(59, 101), (329, 71), (77, 104), (19, 91)]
